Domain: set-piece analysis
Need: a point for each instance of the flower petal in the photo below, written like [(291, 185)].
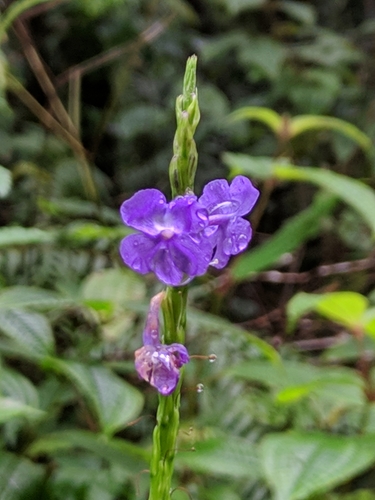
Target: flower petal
[(191, 257), (165, 268), (187, 214), (237, 236), (220, 258), (180, 354), (244, 193), (214, 193), (137, 250), (143, 210)]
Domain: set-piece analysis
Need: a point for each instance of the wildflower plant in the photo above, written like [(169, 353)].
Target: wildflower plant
[(178, 241)]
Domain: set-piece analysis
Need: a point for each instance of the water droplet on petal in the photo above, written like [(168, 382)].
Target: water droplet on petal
[(242, 242), (200, 388), (212, 358), (135, 244)]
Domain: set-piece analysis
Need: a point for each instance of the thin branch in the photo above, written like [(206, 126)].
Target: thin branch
[(13, 85), (39, 69), (319, 272), (37, 10), (108, 56)]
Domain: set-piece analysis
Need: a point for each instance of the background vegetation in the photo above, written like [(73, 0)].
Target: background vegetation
[(287, 96)]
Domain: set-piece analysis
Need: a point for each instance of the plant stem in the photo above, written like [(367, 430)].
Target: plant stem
[(168, 417), (182, 172)]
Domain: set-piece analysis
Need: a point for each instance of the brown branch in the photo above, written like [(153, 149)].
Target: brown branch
[(37, 10), (39, 69), (108, 56), (319, 272), (13, 85)]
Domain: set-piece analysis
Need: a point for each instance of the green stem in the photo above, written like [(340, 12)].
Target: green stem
[(182, 172), (168, 416)]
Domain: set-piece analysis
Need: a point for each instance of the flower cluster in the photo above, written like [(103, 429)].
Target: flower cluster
[(157, 363), (180, 239)]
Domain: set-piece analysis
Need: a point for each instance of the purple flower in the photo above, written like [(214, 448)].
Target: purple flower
[(157, 363), (228, 232), (170, 241)]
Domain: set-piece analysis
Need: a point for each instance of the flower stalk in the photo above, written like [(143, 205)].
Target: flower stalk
[(182, 173), (178, 241)]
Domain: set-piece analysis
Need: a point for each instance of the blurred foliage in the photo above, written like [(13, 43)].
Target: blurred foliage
[(87, 91)]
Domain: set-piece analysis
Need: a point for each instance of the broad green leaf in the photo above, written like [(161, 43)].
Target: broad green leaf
[(236, 6), (5, 182), (352, 191), (20, 478), (229, 456), (300, 464), (16, 297), (368, 321), (341, 390), (215, 323), (291, 373), (133, 458), (299, 11), (114, 402), (84, 233), (266, 54), (327, 49), (346, 308), (30, 332), (304, 123), (11, 409), (77, 208), (16, 386), (275, 375), (265, 115), (292, 234), (299, 305), (348, 349), (114, 285), (259, 167), (19, 236)]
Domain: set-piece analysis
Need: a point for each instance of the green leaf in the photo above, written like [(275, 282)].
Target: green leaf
[(19, 236), (299, 11), (30, 332), (352, 191), (303, 123), (236, 6), (265, 115), (293, 380), (113, 285), (346, 308), (11, 409), (20, 479), (5, 182), (265, 53), (16, 386), (368, 321), (292, 234), (229, 456), (299, 305), (131, 457), (300, 464), (215, 323), (260, 167), (16, 297), (113, 401)]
